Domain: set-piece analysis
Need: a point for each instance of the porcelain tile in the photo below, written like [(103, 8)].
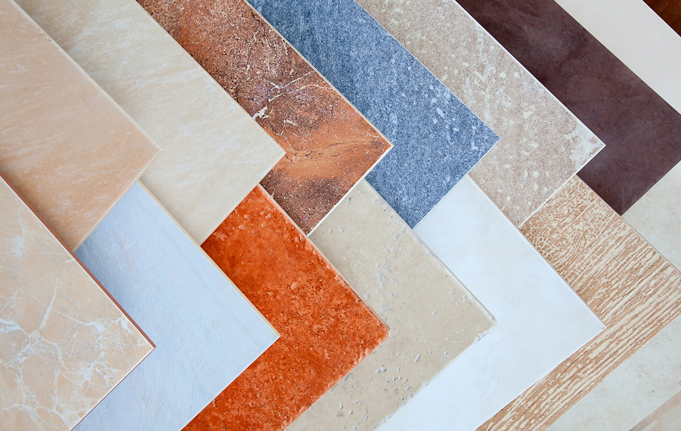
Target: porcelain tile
[(64, 344), (325, 328), (641, 131), (64, 144), (628, 284), (206, 332), (669, 11), (329, 145), (213, 152), (433, 318), (437, 139), (666, 418), (540, 320), (542, 144)]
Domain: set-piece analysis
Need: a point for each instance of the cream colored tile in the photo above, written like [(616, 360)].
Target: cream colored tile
[(666, 418)]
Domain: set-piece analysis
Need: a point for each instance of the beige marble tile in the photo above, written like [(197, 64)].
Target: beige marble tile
[(64, 343), (542, 144), (213, 154), (64, 144)]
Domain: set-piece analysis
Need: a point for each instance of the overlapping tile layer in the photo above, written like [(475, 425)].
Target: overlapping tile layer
[(668, 10), (666, 418), (64, 344)]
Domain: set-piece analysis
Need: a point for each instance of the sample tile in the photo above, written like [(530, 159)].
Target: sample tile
[(329, 145), (666, 418), (628, 284), (64, 144), (64, 344), (668, 10), (433, 318), (213, 152), (206, 332), (642, 133), (540, 320), (542, 144), (325, 328), (437, 139)]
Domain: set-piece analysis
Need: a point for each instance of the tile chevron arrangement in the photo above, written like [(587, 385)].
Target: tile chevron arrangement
[(243, 215)]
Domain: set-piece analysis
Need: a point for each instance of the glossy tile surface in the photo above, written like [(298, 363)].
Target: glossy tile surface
[(325, 328), (213, 152), (542, 144), (64, 344), (64, 144), (540, 320), (669, 11), (433, 318), (205, 332), (329, 145), (628, 284), (642, 133), (437, 139)]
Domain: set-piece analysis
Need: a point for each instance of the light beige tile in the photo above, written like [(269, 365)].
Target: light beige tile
[(665, 418)]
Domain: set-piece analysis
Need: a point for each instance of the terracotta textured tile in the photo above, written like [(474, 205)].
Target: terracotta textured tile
[(64, 343), (641, 131), (433, 318), (668, 10), (325, 328), (213, 152), (624, 280), (542, 144), (329, 145), (666, 418), (64, 144)]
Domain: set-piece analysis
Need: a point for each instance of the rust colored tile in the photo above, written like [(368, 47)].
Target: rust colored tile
[(325, 329), (669, 11), (329, 145)]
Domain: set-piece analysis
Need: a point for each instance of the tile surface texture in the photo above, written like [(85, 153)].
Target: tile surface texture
[(669, 11), (437, 139), (206, 332), (64, 144), (433, 318), (329, 145), (542, 144), (628, 284), (642, 133), (666, 418), (540, 320), (64, 344), (325, 328), (213, 152)]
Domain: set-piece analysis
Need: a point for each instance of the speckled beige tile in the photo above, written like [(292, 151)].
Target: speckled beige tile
[(64, 343), (213, 154), (542, 144), (665, 418)]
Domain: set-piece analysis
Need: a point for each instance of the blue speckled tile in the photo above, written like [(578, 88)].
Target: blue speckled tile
[(437, 138)]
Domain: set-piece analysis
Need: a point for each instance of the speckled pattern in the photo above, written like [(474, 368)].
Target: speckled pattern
[(325, 328), (437, 139)]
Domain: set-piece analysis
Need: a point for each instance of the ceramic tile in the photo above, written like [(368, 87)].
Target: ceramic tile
[(329, 145), (433, 318), (540, 320), (64, 144), (666, 418), (213, 152), (437, 139), (542, 144), (205, 331), (64, 344), (628, 284), (641, 131), (325, 328), (669, 11)]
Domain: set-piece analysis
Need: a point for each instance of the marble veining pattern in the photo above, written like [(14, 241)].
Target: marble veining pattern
[(64, 344), (206, 333), (213, 152), (64, 144), (436, 139)]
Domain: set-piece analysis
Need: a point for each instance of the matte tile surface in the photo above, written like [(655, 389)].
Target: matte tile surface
[(433, 318), (642, 133), (668, 10), (213, 152), (540, 320), (206, 333), (542, 144), (628, 284), (64, 344), (64, 144), (666, 418), (325, 328), (329, 145), (437, 139)]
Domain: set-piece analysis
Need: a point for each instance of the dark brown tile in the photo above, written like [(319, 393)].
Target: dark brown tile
[(669, 11)]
